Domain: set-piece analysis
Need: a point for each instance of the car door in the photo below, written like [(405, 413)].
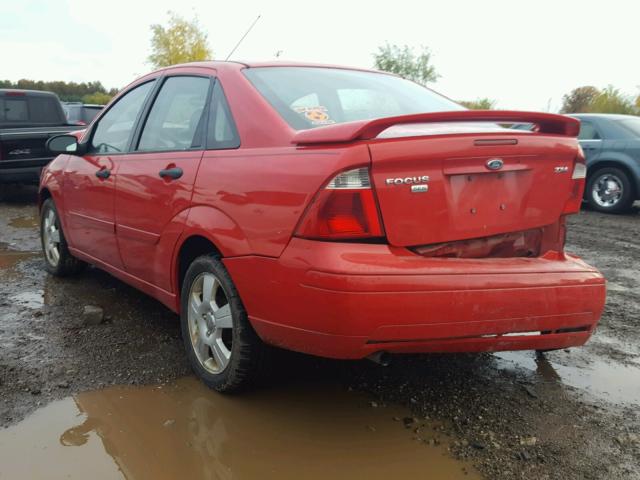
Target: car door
[(89, 182), (590, 140), (155, 180)]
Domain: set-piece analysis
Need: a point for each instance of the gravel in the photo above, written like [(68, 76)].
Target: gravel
[(569, 414)]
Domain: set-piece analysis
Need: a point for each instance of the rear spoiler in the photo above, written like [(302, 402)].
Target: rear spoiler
[(549, 123)]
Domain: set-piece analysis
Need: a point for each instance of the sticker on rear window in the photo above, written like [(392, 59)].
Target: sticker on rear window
[(316, 115)]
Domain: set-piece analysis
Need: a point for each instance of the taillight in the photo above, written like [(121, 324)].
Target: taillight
[(579, 171), (578, 176), (345, 209)]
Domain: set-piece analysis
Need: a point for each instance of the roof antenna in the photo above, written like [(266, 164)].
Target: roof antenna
[(240, 41)]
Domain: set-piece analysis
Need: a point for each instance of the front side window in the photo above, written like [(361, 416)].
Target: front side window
[(309, 97), (176, 114), (113, 131), (588, 132)]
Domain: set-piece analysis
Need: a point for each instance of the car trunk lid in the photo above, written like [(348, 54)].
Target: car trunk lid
[(469, 185), (450, 176)]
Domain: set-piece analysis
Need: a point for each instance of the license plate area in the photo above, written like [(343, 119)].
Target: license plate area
[(481, 200)]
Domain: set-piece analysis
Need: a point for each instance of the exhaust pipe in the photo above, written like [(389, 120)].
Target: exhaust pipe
[(381, 358)]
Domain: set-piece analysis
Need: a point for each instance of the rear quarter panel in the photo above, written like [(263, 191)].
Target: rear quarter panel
[(264, 191)]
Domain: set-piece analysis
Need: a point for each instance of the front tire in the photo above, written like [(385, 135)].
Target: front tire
[(57, 258), (609, 190), (223, 349)]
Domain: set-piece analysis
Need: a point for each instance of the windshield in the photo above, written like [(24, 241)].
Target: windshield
[(309, 97), (631, 125)]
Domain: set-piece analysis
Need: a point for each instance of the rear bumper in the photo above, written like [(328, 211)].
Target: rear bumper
[(350, 300)]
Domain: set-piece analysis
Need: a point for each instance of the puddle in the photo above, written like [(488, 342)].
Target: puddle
[(9, 260), (24, 222), (33, 299), (184, 430), (613, 382)]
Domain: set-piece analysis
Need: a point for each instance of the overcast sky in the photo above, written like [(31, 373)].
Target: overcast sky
[(525, 55)]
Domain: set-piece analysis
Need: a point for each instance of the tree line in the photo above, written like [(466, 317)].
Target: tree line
[(85, 92)]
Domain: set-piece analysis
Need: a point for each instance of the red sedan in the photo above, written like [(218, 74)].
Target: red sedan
[(339, 212)]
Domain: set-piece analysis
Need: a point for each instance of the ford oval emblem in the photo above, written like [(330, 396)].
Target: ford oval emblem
[(495, 163)]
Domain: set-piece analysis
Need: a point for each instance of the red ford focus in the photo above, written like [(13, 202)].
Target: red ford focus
[(338, 212)]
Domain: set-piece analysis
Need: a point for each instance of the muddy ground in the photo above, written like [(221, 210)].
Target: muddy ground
[(571, 414)]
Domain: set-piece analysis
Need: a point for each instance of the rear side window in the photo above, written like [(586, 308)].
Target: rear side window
[(176, 116), (631, 125), (222, 129), (588, 132), (309, 97), (113, 131)]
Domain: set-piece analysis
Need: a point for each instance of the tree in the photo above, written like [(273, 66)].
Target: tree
[(97, 98), (181, 41), (478, 104), (610, 100), (579, 100), (404, 61), (592, 100)]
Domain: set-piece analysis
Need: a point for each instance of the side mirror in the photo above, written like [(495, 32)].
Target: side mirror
[(64, 144)]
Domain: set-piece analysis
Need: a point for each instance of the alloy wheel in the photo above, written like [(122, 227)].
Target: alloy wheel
[(607, 190), (51, 238), (210, 323)]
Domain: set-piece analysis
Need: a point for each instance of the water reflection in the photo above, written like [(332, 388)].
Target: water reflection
[(607, 380), (184, 430)]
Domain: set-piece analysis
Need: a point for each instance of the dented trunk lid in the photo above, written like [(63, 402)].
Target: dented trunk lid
[(443, 183)]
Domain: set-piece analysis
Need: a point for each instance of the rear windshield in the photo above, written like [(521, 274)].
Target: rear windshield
[(309, 97), (74, 112), (29, 109), (89, 113), (81, 113)]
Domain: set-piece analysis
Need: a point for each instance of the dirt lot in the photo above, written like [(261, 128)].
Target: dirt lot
[(571, 414)]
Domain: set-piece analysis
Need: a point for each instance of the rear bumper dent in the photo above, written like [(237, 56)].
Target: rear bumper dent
[(348, 301)]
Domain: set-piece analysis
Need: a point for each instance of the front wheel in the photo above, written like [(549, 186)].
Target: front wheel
[(58, 259), (222, 347), (609, 190)]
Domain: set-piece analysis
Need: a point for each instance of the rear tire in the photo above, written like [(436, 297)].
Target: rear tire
[(609, 190), (223, 349), (57, 258)]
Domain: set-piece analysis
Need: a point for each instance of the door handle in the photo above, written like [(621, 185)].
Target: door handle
[(103, 173), (172, 173)]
